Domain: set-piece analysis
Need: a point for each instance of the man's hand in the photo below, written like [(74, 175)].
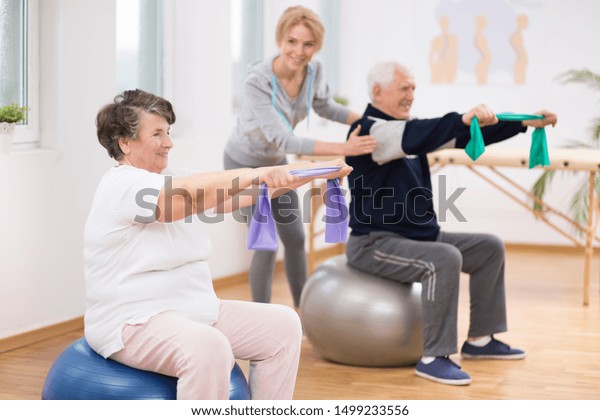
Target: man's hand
[(484, 115), (549, 118)]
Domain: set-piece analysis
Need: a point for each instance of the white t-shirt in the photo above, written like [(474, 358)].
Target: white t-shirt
[(136, 267)]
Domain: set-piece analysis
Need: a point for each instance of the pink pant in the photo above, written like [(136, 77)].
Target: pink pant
[(202, 356)]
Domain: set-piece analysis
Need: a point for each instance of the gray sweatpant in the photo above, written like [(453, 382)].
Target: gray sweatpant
[(288, 219), (437, 265)]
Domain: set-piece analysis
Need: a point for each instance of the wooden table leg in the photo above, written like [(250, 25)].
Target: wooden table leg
[(589, 249), (311, 230)]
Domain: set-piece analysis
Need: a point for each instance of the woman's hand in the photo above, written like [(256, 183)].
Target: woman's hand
[(549, 118), (275, 176), (280, 176), (359, 145), (484, 114), (344, 169)]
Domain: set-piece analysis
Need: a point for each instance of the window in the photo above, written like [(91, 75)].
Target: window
[(247, 21), (329, 55), (19, 64), (140, 45)]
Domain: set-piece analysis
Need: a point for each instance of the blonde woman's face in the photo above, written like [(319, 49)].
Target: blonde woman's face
[(297, 47)]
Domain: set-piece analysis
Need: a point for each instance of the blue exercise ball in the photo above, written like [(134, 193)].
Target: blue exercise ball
[(79, 373), (238, 386)]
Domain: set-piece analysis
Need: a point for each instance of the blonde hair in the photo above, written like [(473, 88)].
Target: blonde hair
[(293, 16)]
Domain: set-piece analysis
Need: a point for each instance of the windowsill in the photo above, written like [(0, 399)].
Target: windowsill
[(27, 149)]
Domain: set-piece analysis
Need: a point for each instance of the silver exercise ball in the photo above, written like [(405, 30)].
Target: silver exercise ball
[(355, 318)]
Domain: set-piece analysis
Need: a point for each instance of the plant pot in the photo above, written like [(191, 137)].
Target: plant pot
[(7, 134)]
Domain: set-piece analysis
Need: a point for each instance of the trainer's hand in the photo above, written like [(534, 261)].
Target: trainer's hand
[(359, 145)]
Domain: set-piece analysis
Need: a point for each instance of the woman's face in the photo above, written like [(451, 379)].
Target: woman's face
[(150, 151), (297, 47)]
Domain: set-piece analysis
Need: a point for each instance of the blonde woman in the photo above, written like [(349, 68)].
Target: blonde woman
[(279, 92)]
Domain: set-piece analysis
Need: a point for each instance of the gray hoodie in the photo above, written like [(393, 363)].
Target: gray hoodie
[(264, 130)]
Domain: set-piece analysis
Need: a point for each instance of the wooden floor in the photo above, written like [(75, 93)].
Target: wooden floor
[(546, 317)]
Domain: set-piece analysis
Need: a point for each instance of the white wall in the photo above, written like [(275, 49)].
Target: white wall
[(46, 194)]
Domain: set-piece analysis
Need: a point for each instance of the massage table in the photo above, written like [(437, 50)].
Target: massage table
[(494, 158)]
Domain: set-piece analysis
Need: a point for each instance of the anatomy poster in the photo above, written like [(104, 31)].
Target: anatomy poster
[(481, 41)]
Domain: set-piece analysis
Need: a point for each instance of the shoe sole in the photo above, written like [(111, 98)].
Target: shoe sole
[(444, 381), (494, 356)]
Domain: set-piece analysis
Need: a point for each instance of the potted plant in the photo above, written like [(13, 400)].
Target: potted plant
[(580, 198), (10, 115)]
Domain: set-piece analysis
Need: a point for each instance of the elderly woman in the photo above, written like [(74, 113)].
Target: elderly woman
[(278, 93), (150, 302)]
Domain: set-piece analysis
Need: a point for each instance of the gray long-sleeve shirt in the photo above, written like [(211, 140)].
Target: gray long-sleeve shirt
[(262, 137)]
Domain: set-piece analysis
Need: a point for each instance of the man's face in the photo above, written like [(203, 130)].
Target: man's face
[(396, 98)]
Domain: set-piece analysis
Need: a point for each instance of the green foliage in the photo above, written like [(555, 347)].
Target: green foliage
[(584, 76), (341, 100), (13, 113), (580, 199), (540, 186)]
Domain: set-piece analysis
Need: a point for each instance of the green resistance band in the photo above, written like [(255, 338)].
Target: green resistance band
[(538, 154)]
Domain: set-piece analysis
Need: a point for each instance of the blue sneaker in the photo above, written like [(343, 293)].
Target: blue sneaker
[(495, 349), (443, 370)]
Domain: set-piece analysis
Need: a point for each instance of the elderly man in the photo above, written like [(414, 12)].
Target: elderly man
[(395, 233)]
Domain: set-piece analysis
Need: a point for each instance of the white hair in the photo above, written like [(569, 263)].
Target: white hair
[(382, 74)]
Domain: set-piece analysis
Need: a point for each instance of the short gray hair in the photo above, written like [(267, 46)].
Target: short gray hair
[(121, 118), (382, 74)]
